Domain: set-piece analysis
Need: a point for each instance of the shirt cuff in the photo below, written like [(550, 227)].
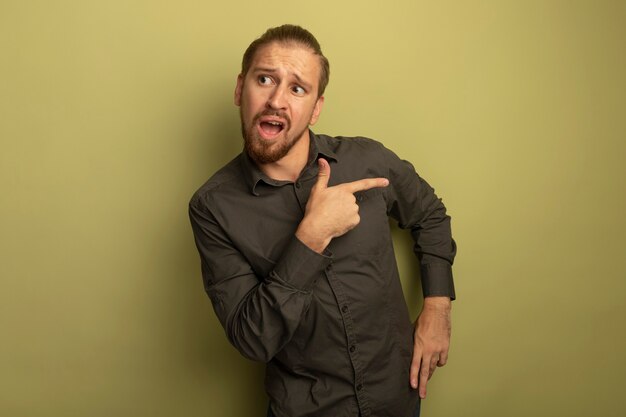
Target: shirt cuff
[(300, 266), (437, 280)]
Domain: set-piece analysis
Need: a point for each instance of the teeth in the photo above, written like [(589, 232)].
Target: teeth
[(275, 123)]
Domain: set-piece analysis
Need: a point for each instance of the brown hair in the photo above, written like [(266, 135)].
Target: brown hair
[(287, 34)]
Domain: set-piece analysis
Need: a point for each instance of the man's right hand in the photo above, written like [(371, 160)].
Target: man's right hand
[(332, 211)]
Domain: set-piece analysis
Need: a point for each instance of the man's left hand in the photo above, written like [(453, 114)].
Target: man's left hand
[(431, 341)]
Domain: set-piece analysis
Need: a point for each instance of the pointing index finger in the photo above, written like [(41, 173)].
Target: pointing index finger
[(366, 184)]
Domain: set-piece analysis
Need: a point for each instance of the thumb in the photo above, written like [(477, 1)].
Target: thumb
[(324, 173)]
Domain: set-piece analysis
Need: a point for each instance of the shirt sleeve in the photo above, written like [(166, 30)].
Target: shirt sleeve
[(413, 203), (259, 314)]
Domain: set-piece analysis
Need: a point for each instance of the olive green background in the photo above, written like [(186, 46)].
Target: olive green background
[(113, 113)]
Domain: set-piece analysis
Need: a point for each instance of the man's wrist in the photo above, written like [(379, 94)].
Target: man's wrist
[(437, 302), (312, 240)]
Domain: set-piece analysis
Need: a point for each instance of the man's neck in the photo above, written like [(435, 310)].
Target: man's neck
[(289, 167)]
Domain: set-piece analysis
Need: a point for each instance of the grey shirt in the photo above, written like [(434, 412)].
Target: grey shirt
[(333, 328)]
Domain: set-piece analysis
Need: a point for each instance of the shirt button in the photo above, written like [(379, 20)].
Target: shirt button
[(344, 309), (352, 348), (298, 185), (359, 387)]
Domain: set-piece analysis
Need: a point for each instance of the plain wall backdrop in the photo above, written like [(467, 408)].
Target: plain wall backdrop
[(113, 113)]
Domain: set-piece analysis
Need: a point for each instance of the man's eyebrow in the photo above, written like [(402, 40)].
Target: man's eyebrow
[(263, 69), (301, 81)]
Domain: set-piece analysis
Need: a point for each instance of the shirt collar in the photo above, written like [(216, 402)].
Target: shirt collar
[(318, 147)]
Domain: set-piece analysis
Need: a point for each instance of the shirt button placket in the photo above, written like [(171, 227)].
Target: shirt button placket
[(353, 352), (300, 193)]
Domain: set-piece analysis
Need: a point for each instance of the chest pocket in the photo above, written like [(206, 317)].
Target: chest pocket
[(371, 236)]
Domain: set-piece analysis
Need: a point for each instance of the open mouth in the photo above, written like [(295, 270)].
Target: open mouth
[(270, 127)]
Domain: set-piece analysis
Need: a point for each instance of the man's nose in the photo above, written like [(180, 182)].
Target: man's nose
[(278, 98)]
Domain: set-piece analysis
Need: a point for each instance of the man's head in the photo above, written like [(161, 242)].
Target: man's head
[(289, 34), (279, 92)]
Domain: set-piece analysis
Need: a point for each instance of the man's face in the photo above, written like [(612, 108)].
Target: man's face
[(278, 100)]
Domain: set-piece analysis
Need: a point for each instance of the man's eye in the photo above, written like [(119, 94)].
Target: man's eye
[(298, 90), (265, 80)]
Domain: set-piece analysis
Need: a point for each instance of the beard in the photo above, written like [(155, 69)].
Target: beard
[(260, 150)]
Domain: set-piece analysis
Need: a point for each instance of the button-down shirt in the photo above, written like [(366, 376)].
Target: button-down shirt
[(333, 328)]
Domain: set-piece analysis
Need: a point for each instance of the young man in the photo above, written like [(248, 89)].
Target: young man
[(297, 255)]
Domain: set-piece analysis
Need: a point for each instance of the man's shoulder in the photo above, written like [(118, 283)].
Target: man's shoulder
[(356, 148), (350, 145), (227, 178), (352, 142)]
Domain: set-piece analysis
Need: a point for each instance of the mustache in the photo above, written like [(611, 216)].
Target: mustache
[(274, 113)]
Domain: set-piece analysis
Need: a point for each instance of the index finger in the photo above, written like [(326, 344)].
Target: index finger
[(365, 184), (427, 368)]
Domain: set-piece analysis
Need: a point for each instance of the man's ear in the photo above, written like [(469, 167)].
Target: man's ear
[(317, 110), (238, 89)]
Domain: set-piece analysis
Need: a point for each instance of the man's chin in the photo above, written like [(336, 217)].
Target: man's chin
[(267, 151), (264, 154)]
